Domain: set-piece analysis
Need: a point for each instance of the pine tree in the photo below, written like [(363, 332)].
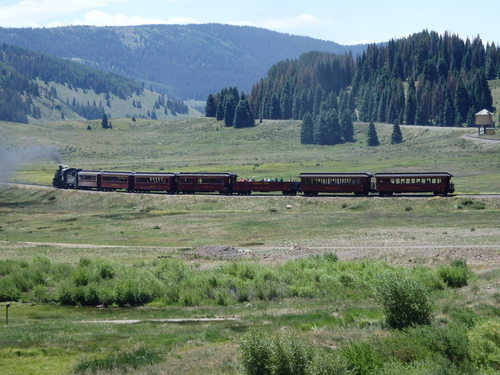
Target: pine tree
[(229, 109), (471, 117), (243, 117), (104, 121), (411, 104), (396, 136), (211, 106), (372, 135), (347, 126), (307, 130), (219, 114)]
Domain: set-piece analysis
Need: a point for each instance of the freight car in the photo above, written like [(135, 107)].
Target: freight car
[(311, 184)]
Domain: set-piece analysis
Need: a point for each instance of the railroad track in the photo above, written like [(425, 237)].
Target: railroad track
[(412, 196)]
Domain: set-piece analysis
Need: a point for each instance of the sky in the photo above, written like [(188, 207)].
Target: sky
[(345, 22)]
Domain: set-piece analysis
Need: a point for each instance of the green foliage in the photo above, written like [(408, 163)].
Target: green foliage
[(257, 354), (362, 358), (454, 275), (485, 344), (122, 361), (307, 129), (372, 135), (8, 290), (396, 135), (405, 300)]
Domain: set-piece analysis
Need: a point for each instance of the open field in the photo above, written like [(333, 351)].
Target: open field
[(271, 149), (264, 261)]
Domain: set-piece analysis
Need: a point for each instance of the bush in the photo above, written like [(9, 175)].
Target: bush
[(405, 301), (325, 363), (8, 290), (485, 344), (257, 355), (454, 275), (362, 358)]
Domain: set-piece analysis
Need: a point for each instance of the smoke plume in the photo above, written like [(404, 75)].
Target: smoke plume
[(11, 159)]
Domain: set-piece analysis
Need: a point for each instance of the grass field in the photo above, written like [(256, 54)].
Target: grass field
[(271, 239), (270, 149)]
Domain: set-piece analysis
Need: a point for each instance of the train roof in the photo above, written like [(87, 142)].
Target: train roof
[(414, 174), (201, 174), (336, 174)]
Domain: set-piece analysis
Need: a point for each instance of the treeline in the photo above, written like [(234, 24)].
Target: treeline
[(331, 123), (34, 65), (89, 111), (426, 79), (294, 87), (230, 106), (15, 95)]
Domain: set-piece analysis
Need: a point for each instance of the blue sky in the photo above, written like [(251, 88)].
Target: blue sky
[(345, 22)]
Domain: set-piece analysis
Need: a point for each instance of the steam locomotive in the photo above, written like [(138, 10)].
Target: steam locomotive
[(309, 184)]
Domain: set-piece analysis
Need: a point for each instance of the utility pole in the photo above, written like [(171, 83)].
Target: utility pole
[(7, 305)]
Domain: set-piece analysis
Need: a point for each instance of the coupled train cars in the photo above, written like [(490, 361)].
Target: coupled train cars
[(310, 184)]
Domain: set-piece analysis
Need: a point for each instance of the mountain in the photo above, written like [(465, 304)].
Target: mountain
[(189, 61), (37, 87)]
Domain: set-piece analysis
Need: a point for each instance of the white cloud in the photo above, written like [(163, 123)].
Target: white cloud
[(35, 12), (98, 18), (302, 20)]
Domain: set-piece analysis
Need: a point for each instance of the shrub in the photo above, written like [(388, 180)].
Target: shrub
[(8, 290), (361, 358), (257, 354), (405, 301), (449, 341), (325, 363), (454, 275), (485, 344)]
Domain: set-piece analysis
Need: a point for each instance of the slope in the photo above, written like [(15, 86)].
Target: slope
[(37, 87), (193, 60)]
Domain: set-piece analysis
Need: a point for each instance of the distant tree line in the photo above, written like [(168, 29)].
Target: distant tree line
[(34, 65), (425, 79), (230, 106)]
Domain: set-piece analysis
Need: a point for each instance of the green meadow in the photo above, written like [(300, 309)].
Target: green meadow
[(296, 281), (271, 149)]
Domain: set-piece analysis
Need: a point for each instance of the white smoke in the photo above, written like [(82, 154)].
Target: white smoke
[(11, 159)]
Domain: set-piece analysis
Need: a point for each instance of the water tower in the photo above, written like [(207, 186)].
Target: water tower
[(484, 118)]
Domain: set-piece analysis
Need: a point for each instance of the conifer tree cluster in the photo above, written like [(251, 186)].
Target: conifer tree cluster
[(230, 106), (332, 124), (446, 79)]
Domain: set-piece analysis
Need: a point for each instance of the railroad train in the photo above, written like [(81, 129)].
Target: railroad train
[(308, 184)]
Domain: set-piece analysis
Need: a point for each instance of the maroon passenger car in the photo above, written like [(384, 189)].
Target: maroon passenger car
[(247, 187), (424, 182), (335, 183), (144, 181), (117, 180), (205, 182)]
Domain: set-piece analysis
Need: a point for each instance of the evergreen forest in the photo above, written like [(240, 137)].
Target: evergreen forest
[(424, 79)]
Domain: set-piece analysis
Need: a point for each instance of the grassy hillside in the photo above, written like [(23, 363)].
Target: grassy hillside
[(271, 149), (56, 108)]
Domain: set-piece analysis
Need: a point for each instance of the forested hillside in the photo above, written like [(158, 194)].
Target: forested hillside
[(34, 86), (426, 79), (189, 61)]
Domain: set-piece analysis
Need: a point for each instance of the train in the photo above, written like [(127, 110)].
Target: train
[(307, 184)]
